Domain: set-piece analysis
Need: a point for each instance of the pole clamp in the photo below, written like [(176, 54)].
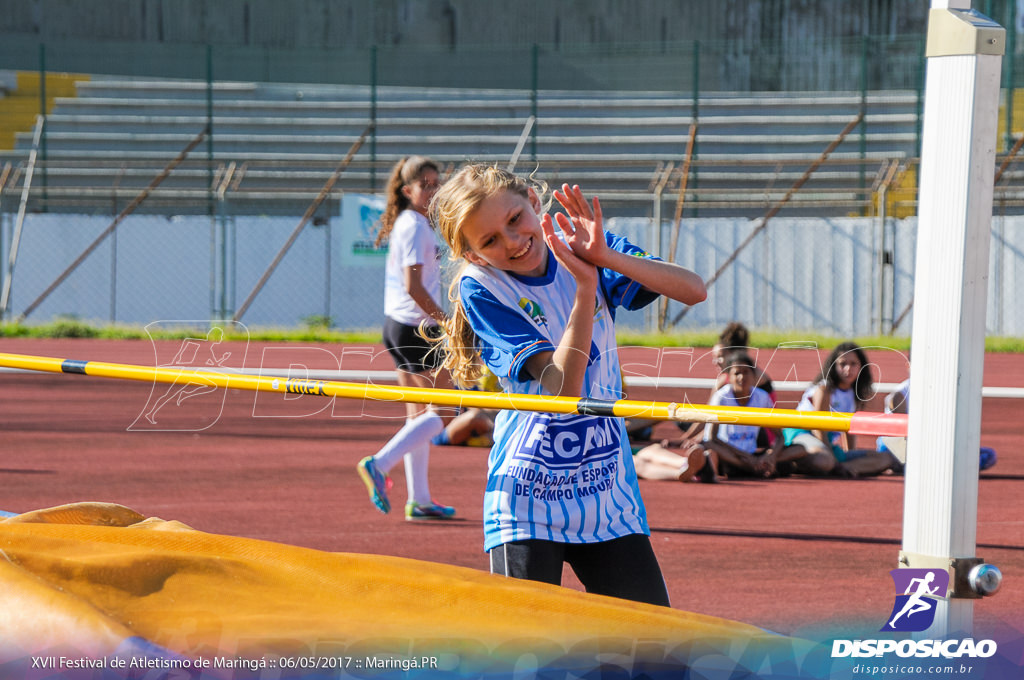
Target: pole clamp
[(970, 578), (963, 32)]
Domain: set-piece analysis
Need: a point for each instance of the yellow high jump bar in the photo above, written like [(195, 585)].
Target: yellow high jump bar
[(854, 423)]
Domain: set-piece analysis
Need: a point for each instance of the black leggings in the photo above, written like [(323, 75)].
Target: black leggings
[(623, 567)]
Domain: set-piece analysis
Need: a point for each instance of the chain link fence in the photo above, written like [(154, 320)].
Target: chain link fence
[(843, 276), (792, 240)]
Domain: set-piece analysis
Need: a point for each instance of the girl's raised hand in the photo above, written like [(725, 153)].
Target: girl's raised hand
[(583, 271), (583, 224)]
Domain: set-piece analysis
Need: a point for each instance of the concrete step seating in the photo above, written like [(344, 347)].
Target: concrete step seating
[(20, 94), (117, 134)]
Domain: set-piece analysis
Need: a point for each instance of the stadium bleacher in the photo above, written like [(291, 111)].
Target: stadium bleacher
[(280, 142)]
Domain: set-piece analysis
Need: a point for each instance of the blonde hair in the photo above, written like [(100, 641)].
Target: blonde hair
[(405, 172), (454, 202)]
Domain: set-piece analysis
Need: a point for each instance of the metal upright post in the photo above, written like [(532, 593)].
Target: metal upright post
[(1011, 73), (863, 137), (534, 85), (373, 118), (958, 155), (209, 129), (19, 222), (695, 112), (42, 112), (919, 105), (216, 224)]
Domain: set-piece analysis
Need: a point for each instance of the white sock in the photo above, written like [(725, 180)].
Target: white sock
[(416, 432), (416, 463)]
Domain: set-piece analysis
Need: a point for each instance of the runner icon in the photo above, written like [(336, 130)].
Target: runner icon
[(916, 602), (189, 356)]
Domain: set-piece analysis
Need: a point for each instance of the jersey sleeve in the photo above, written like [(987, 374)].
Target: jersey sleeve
[(507, 339), (621, 291)]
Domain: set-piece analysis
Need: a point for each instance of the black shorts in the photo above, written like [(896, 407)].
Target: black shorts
[(411, 352), (624, 567)]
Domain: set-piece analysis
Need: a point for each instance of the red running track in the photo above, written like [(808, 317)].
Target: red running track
[(795, 555)]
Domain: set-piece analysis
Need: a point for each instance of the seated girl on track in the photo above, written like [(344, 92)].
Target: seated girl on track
[(845, 385), (744, 450)]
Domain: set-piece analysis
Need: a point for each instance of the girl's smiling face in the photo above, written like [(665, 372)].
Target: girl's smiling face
[(504, 232)]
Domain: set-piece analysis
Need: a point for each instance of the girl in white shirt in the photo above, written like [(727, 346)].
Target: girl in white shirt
[(744, 449), (412, 290), (845, 385)]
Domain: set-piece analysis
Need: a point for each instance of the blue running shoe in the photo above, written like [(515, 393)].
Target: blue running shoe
[(417, 511), (986, 458), (377, 483)]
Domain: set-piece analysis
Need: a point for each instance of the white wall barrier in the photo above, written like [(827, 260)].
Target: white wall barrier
[(803, 274)]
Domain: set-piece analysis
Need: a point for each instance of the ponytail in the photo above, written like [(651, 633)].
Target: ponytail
[(462, 358), (405, 172)]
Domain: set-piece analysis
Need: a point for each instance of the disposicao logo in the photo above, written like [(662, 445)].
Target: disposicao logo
[(914, 609), (918, 592)]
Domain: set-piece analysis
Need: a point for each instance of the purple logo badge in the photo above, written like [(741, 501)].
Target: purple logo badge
[(917, 594)]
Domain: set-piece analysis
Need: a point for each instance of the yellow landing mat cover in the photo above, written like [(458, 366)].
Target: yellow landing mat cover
[(92, 575)]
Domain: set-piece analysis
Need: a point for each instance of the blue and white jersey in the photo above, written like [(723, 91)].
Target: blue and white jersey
[(743, 437), (556, 477), (841, 401)]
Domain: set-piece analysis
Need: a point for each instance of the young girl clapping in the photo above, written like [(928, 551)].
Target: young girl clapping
[(537, 308)]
